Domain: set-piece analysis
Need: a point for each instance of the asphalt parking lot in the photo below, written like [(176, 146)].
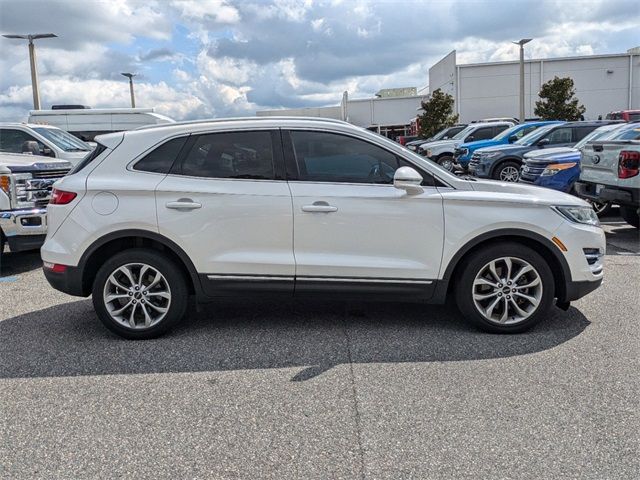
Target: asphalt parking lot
[(321, 389)]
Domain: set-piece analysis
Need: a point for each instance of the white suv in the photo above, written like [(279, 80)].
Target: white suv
[(294, 206)]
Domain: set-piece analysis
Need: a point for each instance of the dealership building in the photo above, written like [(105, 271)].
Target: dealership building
[(603, 83)]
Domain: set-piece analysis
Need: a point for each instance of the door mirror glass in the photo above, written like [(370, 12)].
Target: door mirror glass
[(470, 138), (409, 180), (47, 151), (543, 142)]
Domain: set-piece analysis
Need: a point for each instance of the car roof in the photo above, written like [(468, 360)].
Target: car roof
[(591, 123), (25, 124)]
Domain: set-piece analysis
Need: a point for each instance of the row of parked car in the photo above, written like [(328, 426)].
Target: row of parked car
[(564, 156)]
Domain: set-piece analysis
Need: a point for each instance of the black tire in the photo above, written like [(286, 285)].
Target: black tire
[(630, 215), (505, 167), (446, 161), (476, 262), (174, 278)]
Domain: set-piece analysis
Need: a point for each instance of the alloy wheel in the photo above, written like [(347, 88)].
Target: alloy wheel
[(509, 174), (507, 290), (137, 296)]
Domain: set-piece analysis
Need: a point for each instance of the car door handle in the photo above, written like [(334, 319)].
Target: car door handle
[(183, 204), (319, 207)]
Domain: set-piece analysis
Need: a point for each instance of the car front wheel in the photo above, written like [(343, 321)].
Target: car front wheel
[(505, 288), (446, 161), (507, 172), (139, 294)]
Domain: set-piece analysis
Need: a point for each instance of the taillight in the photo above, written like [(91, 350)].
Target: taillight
[(60, 197), (628, 163), (55, 267)]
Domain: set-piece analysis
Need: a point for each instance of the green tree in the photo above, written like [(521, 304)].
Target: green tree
[(558, 101), (438, 114)]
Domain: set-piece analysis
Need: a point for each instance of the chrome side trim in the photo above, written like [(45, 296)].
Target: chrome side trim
[(250, 277), (365, 280)]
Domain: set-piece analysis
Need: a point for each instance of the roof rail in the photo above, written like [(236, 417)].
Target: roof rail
[(243, 119)]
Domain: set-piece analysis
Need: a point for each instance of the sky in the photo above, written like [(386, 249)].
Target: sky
[(219, 58)]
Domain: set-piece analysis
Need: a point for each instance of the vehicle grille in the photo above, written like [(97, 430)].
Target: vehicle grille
[(475, 160), (38, 189), (531, 171)]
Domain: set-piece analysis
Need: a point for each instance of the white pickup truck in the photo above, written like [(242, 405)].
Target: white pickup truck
[(610, 172), (25, 187)]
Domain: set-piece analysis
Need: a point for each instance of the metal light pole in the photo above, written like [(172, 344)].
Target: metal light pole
[(522, 44), (133, 98), (32, 60)]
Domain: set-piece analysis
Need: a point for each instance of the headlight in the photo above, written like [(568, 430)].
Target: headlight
[(557, 167), (427, 153), (585, 215)]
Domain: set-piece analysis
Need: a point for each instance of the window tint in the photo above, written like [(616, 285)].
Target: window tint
[(247, 155), (483, 133), (582, 132), (14, 141), (88, 159), (500, 128), (560, 135), (161, 159), (329, 157)]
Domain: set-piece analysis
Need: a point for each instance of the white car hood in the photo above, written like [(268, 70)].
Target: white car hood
[(26, 160), (520, 193), (441, 143)]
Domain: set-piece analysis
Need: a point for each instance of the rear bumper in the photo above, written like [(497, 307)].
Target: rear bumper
[(621, 196), (69, 281)]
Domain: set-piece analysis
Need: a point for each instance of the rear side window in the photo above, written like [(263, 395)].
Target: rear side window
[(95, 153), (582, 132), (483, 133), (240, 155), (501, 128), (161, 159)]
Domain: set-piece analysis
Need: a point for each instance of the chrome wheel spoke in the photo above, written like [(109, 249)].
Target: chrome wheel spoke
[(135, 306), (498, 296)]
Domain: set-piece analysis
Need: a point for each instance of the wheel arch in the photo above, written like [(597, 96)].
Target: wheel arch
[(496, 165), (94, 256), (557, 262)]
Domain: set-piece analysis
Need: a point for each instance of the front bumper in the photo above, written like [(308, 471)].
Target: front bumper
[(24, 229)]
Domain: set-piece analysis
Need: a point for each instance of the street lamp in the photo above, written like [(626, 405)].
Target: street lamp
[(522, 44), (133, 98), (32, 60)]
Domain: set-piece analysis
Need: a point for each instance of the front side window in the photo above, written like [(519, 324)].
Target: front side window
[(15, 141), (483, 133), (560, 135), (329, 157), (240, 155)]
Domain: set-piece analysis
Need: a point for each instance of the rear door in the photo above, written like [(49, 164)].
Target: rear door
[(226, 203), (352, 228)]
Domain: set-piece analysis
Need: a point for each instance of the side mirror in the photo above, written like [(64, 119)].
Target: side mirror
[(446, 137), (46, 151), (407, 179), (513, 139), (470, 138), (543, 142)]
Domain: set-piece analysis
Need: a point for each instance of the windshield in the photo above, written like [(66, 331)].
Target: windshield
[(63, 140), (464, 133), (531, 138), (627, 133), (508, 132)]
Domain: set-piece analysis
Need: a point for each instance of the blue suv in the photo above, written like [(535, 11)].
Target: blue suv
[(559, 168), (462, 154), (503, 162)]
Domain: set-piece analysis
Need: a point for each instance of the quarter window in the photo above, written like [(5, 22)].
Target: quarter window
[(329, 157), (161, 159), (242, 155)]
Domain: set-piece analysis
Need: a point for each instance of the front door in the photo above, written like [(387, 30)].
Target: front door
[(225, 203), (352, 228)]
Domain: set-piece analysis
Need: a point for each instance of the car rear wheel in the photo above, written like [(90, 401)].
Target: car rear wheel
[(139, 294), (505, 288), (507, 172), (630, 215)]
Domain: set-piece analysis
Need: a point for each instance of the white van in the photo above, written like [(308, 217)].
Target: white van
[(88, 122), (42, 140)]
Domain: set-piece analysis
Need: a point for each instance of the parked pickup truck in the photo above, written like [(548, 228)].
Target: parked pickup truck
[(25, 187), (610, 172)]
